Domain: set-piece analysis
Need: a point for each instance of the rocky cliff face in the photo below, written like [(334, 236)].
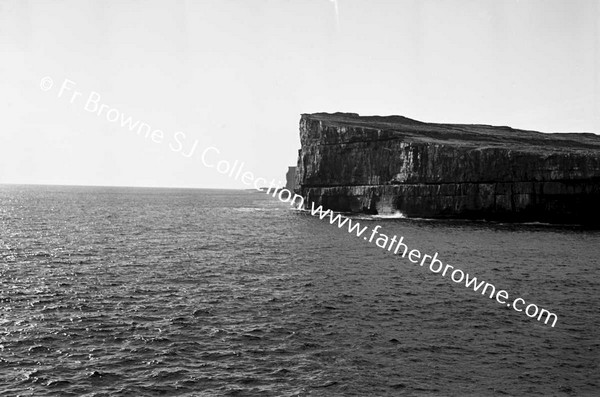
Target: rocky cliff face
[(387, 164), (290, 179)]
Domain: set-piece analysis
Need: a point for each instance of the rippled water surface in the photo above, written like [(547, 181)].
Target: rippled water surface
[(143, 292)]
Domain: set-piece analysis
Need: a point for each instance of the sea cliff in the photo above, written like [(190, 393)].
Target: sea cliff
[(353, 163)]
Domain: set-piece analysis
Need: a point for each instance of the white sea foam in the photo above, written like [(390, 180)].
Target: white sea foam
[(395, 215)]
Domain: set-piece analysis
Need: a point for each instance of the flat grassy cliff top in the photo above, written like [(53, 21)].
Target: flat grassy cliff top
[(475, 135)]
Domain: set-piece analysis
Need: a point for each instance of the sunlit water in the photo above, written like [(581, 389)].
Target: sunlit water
[(141, 292)]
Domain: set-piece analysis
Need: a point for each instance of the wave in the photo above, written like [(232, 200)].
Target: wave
[(367, 217), (395, 215)]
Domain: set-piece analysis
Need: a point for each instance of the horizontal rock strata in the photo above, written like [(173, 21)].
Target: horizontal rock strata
[(384, 165)]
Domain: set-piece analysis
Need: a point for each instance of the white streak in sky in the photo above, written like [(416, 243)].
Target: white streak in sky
[(337, 14)]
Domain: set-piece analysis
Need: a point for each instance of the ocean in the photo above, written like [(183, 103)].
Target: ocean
[(182, 292)]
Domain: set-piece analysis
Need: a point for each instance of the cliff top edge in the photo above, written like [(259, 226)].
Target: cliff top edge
[(390, 127)]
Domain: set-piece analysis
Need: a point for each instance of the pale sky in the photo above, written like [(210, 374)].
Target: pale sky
[(237, 74)]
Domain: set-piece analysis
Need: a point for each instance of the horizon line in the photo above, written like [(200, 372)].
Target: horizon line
[(121, 186)]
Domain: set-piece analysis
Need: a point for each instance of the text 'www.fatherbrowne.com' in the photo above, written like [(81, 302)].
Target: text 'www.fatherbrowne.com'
[(397, 246)]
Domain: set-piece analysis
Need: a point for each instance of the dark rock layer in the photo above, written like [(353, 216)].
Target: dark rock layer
[(290, 179), (387, 164)]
